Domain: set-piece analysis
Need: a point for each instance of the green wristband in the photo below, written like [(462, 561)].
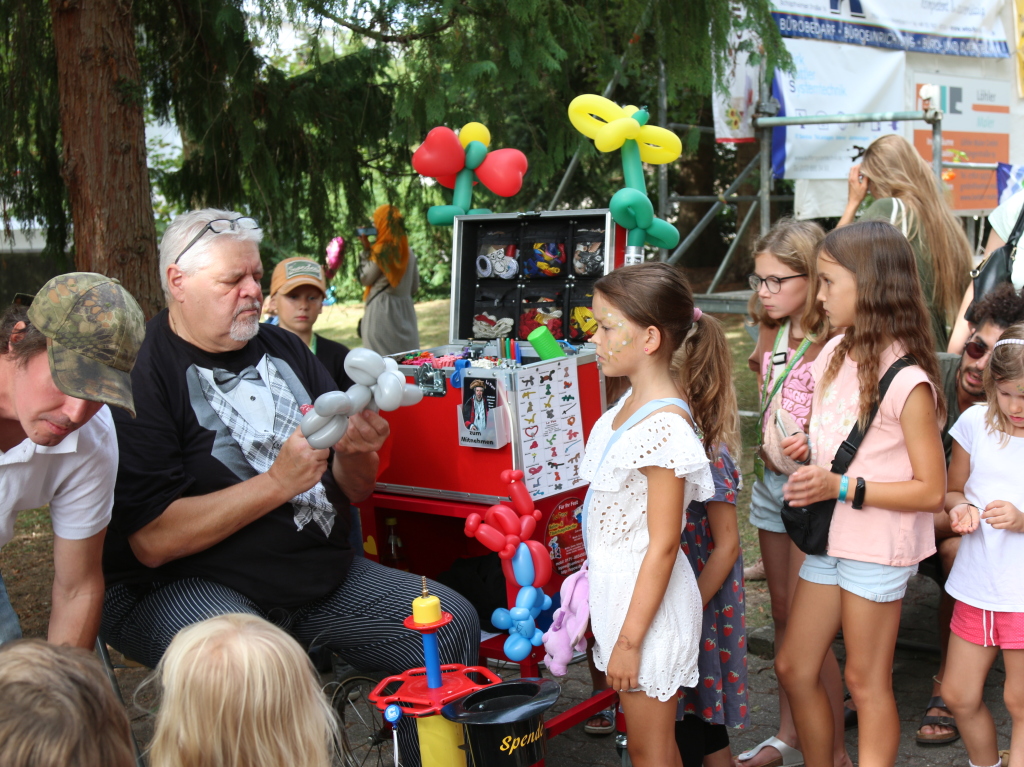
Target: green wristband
[(844, 485)]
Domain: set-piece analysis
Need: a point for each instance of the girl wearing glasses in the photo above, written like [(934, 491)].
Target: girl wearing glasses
[(792, 331), (984, 498)]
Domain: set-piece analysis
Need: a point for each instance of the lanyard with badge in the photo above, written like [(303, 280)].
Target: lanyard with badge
[(778, 361)]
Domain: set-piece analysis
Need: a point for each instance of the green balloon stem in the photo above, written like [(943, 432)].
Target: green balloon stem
[(476, 152), (632, 168), (641, 116), (636, 237), (463, 197)]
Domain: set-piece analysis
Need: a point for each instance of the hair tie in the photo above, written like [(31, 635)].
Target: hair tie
[(697, 314), (1009, 341)]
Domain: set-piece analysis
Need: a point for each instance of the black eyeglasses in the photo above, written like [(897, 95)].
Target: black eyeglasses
[(976, 349), (219, 225), (774, 283)]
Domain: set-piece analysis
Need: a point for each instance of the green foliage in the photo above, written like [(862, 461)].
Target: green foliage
[(310, 143)]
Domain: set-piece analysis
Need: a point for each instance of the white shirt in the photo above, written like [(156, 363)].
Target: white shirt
[(986, 573), (250, 400), (76, 477), (1002, 220)]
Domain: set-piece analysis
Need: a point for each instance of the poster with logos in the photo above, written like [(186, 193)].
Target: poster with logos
[(550, 427), (948, 27), (733, 109), (564, 537), (975, 128), (832, 79)]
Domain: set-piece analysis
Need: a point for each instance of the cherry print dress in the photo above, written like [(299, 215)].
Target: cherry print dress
[(720, 696), (618, 538)]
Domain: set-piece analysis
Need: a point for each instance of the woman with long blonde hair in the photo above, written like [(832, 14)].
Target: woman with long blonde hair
[(907, 195)]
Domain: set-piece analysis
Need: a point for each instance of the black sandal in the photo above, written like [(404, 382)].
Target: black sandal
[(940, 721), (849, 714)]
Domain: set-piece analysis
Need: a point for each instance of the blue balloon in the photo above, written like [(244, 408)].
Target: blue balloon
[(519, 614), (517, 648), (501, 619), (522, 565)]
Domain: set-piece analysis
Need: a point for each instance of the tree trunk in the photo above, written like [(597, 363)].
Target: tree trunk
[(104, 138)]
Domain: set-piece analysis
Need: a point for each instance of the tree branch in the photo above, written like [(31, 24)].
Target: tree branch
[(380, 36)]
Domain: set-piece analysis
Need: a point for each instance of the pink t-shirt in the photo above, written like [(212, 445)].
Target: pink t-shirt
[(798, 388), (871, 534)]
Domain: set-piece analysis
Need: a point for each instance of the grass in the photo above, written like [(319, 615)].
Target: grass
[(339, 323)]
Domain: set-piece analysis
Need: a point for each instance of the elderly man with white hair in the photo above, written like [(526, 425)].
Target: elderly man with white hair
[(221, 506)]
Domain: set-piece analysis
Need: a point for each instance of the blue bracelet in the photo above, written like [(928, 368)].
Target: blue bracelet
[(844, 485)]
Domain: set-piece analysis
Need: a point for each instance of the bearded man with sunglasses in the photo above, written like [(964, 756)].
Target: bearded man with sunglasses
[(221, 505), (963, 386)]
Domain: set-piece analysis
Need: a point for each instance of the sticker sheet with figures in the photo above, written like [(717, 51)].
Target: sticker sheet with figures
[(550, 427)]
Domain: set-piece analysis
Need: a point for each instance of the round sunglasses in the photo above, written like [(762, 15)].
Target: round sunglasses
[(774, 284), (976, 350)]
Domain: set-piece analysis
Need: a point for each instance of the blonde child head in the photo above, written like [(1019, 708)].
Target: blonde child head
[(795, 245), (59, 709), (236, 691), (657, 294), (1005, 366)]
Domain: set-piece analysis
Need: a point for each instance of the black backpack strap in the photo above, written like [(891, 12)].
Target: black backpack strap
[(848, 449), (1018, 229)]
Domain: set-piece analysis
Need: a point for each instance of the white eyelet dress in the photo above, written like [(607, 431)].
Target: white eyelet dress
[(617, 540)]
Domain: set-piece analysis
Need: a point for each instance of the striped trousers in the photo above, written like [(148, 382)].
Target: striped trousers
[(361, 621)]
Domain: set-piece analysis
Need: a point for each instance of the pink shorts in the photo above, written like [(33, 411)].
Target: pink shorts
[(988, 628)]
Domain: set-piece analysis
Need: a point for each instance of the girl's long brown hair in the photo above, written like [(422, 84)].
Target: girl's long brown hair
[(795, 244), (657, 294), (890, 307), (1005, 364), (897, 170)]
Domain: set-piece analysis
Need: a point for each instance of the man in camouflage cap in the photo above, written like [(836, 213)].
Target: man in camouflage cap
[(62, 358)]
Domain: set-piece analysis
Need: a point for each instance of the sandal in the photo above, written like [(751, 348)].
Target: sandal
[(941, 721), (607, 715), (849, 714), (788, 756)]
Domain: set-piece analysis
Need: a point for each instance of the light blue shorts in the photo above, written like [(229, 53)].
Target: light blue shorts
[(766, 503), (870, 580)]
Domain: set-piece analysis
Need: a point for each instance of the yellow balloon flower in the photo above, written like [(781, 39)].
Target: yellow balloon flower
[(611, 126)]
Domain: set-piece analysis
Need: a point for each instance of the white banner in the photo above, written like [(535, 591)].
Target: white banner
[(833, 79), (950, 27), (732, 111)]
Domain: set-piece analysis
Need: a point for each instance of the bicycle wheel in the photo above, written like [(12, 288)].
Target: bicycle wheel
[(366, 737)]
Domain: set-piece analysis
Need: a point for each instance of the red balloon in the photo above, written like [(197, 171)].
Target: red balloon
[(507, 552), (472, 523), (541, 563), (448, 182), (502, 171), (506, 567), (511, 476), (490, 537), (521, 498), (527, 525), (440, 154), (503, 518)]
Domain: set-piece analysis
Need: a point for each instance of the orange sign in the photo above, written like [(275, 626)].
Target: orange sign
[(975, 128)]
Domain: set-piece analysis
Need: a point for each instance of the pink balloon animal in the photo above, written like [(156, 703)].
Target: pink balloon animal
[(569, 625)]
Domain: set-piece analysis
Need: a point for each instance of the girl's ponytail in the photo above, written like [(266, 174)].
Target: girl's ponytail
[(702, 366)]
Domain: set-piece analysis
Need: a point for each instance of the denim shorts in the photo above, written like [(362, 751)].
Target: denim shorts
[(870, 580), (766, 502)]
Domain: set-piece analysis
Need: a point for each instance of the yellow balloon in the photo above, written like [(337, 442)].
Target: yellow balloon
[(613, 135), (590, 113), (474, 132), (658, 145)]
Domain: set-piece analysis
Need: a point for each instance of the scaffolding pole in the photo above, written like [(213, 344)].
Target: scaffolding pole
[(710, 215)]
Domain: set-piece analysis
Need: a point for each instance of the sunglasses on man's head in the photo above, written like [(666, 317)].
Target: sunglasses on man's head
[(976, 350), (219, 225)]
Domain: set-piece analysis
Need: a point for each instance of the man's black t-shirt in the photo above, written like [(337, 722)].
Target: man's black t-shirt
[(166, 454), (332, 355)]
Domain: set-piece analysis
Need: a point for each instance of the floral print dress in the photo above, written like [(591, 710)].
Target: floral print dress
[(720, 696)]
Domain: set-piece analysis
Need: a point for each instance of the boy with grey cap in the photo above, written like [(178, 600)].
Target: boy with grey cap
[(62, 359)]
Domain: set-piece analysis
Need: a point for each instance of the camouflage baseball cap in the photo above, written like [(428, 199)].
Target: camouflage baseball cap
[(93, 330)]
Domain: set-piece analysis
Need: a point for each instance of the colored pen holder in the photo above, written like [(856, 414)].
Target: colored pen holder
[(544, 344)]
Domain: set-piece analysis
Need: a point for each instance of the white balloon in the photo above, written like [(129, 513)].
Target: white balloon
[(360, 396), (390, 364), (388, 394), (333, 403), (364, 366), (330, 434), (411, 395), (312, 422)]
